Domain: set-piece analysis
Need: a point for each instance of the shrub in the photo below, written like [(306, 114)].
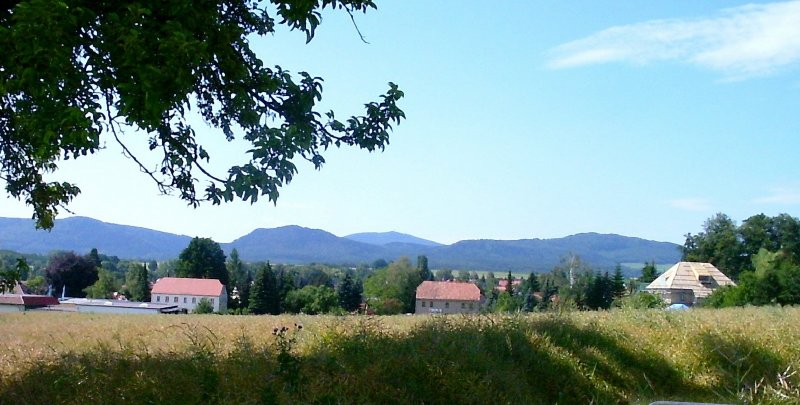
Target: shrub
[(203, 307)]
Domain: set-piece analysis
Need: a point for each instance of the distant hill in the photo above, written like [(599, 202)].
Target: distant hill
[(385, 238), (295, 244), (298, 245), (602, 251), (81, 234)]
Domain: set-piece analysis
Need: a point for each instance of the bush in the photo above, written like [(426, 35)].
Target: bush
[(640, 300), (204, 307)]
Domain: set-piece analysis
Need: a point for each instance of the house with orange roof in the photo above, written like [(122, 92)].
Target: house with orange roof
[(448, 297), (186, 293)]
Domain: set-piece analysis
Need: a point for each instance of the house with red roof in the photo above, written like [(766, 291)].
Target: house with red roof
[(502, 284), (186, 293), (19, 300), (447, 297)]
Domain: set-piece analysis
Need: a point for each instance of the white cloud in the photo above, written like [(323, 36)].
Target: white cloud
[(781, 195), (691, 204), (741, 42)]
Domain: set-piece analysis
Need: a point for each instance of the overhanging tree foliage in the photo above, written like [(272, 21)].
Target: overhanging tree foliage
[(75, 74)]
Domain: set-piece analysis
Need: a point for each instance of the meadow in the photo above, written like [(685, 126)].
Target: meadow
[(741, 355)]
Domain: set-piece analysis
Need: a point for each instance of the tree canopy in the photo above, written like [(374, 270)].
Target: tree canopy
[(203, 258), (77, 74), (731, 248), (264, 295), (71, 274)]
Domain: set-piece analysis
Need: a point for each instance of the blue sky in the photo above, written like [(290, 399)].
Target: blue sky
[(525, 120)]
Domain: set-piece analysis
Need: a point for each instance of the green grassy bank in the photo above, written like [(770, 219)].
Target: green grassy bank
[(734, 356)]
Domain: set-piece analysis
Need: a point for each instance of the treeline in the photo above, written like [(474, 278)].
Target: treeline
[(762, 255), (92, 275), (571, 285), (380, 287)]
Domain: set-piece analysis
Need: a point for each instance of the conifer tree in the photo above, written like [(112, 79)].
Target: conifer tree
[(510, 283), (649, 272), (264, 297), (618, 283), (533, 283), (422, 265), (350, 292), (138, 286)]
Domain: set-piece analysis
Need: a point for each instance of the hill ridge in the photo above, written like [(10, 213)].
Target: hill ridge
[(300, 245)]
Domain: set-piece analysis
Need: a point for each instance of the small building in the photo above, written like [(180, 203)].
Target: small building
[(24, 302), (186, 293), (502, 284), (113, 306), (446, 297), (688, 283)]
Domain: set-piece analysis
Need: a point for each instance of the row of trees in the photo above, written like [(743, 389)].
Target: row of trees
[(731, 248), (762, 255), (262, 288), (276, 292)]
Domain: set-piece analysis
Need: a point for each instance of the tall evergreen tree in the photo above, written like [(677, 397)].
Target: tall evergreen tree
[(264, 293), (244, 293), (422, 265), (95, 257), (350, 291), (548, 291), (618, 283), (237, 276), (286, 284), (138, 286), (510, 283), (649, 273), (532, 283)]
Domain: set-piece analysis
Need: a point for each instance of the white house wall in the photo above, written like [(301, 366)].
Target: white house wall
[(447, 307), (189, 302)]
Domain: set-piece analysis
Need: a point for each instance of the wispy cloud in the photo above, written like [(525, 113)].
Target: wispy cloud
[(741, 42), (781, 195), (690, 204)]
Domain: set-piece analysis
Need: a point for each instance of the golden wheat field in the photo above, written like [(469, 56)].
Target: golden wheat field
[(744, 355)]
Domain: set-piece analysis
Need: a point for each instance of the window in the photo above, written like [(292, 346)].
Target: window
[(463, 305), (423, 304), (447, 304), (194, 300), (184, 300), (166, 298), (175, 299), (470, 306), (212, 302), (158, 298), (706, 281), (431, 304)]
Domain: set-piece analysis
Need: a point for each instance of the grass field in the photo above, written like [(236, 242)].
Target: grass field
[(733, 356)]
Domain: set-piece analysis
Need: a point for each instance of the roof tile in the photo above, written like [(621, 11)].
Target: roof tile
[(443, 290), (188, 286)]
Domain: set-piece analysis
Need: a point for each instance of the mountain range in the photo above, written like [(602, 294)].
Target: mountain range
[(298, 245)]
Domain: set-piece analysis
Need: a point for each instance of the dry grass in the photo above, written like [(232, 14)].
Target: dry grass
[(730, 355)]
